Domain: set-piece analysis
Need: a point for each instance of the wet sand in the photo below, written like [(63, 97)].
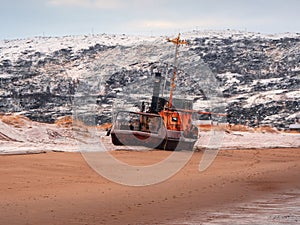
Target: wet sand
[(61, 188)]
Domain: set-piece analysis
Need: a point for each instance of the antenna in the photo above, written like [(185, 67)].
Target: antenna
[(177, 41)]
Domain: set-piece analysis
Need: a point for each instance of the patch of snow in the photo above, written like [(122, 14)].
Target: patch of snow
[(295, 126), (237, 34), (11, 133), (247, 140), (265, 97), (293, 95), (230, 78), (266, 81), (14, 49)]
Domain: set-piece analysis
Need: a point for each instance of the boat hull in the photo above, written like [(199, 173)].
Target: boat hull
[(154, 141)]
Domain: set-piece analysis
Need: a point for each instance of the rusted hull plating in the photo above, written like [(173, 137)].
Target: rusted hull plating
[(149, 140)]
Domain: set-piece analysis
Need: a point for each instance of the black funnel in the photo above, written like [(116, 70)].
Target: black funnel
[(156, 90)]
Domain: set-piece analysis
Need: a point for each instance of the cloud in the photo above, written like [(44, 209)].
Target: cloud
[(182, 24), (91, 4), (111, 4), (154, 24)]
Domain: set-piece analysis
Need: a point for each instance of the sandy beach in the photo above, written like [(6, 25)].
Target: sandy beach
[(61, 188)]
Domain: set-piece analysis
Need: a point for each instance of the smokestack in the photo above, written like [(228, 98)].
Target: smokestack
[(156, 91)]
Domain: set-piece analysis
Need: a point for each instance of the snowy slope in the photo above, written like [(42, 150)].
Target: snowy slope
[(258, 75)]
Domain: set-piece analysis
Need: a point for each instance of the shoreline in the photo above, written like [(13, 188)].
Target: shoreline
[(61, 188)]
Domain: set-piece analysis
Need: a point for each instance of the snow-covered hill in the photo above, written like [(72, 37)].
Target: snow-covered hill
[(257, 75)]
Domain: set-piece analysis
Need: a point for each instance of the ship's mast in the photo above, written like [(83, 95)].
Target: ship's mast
[(177, 42)]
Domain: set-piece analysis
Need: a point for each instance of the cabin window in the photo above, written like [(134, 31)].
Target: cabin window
[(175, 119)]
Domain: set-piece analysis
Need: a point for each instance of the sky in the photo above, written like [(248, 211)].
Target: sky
[(29, 18)]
